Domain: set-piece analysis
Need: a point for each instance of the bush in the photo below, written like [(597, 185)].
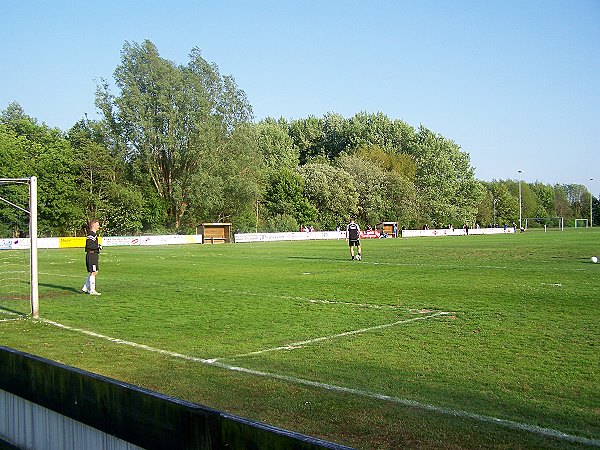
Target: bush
[(282, 222)]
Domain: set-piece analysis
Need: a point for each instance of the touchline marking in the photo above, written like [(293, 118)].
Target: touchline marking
[(11, 320), (295, 345), (412, 403), (124, 342), (20, 316), (330, 387)]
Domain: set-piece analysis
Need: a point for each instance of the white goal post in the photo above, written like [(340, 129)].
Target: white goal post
[(543, 222), (582, 220), (31, 211)]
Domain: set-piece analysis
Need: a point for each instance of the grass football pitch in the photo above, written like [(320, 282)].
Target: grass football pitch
[(454, 342)]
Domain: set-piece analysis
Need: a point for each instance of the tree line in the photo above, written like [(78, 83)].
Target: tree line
[(177, 146)]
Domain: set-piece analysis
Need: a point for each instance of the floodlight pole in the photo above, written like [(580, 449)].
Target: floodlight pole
[(520, 202), (591, 198), (256, 229)]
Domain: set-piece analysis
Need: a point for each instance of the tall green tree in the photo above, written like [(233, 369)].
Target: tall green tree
[(385, 191), (229, 182), (285, 197), (332, 191), (530, 205), (171, 118), (34, 149), (104, 187), (486, 210), (368, 179), (309, 137), (545, 198), (14, 159), (276, 145), (506, 204), (448, 190), (578, 198), (368, 129)]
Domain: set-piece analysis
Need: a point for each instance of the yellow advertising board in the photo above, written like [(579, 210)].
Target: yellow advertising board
[(73, 242)]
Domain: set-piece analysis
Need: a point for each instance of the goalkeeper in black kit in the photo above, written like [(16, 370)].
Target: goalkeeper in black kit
[(92, 252), (353, 238)]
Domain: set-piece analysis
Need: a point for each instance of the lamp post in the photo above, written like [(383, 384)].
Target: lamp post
[(256, 216), (494, 222), (520, 203), (591, 198)]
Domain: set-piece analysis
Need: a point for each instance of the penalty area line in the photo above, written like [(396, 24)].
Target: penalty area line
[(300, 344), (549, 432)]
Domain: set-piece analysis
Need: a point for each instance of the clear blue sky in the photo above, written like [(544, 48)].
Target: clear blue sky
[(515, 83)]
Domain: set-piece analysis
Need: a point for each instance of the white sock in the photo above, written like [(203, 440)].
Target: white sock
[(92, 282), (86, 286)]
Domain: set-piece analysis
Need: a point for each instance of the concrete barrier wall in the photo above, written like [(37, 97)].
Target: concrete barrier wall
[(42, 401)]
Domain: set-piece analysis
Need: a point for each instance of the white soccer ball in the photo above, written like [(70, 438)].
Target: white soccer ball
[(358, 257), (594, 259)]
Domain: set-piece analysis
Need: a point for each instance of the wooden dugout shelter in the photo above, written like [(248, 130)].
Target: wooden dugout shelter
[(215, 233), (389, 228)]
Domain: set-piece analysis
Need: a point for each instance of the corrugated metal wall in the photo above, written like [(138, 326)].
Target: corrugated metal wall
[(27, 425)]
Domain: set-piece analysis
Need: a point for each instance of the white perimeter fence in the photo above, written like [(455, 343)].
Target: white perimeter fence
[(108, 241), (456, 232)]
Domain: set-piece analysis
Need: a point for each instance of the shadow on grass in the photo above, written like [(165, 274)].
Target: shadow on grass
[(320, 258), (13, 312), (58, 290)]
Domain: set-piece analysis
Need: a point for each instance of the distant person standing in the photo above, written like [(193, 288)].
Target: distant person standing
[(92, 251), (353, 238)]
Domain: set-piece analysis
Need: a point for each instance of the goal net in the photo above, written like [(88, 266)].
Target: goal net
[(18, 248), (545, 223), (581, 223)]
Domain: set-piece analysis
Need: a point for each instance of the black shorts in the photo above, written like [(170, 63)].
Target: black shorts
[(91, 261), (355, 242)]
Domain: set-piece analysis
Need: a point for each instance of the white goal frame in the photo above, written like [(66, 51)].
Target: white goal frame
[(561, 221), (33, 254), (587, 222)]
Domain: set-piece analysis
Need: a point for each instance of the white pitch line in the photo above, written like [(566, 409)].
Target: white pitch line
[(304, 299), (124, 342), (20, 316), (295, 345), (549, 432)]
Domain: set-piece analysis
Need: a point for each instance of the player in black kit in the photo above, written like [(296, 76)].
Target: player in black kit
[(353, 238), (92, 250)]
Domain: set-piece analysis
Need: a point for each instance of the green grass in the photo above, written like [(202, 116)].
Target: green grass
[(520, 340)]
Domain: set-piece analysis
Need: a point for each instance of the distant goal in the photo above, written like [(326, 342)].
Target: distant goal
[(545, 223), (581, 223), (18, 248)]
